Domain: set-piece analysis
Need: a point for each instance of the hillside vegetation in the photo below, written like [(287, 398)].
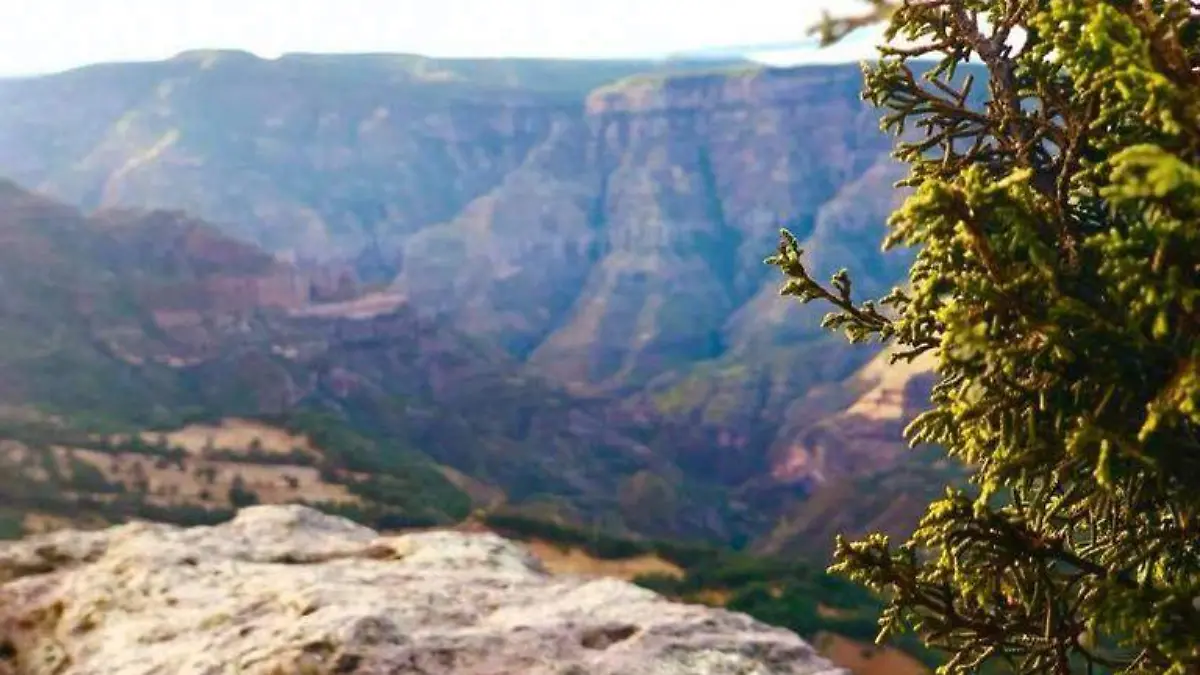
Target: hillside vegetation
[(190, 476)]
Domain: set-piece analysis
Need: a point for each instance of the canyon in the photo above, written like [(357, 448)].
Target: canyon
[(543, 279)]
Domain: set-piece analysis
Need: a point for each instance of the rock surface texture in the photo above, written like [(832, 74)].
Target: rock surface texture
[(282, 590)]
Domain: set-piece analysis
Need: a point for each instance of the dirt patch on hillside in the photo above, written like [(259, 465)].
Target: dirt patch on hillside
[(197, 481), (36, 522), (481, 494), (827, 612), (233, 434), (365, 307), (713, 597), (560, 560), (866, 659)]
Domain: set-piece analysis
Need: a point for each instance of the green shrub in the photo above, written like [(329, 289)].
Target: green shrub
[(11, 525), (239, 495)]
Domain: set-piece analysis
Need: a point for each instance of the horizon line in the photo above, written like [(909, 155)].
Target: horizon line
[(717, 52)]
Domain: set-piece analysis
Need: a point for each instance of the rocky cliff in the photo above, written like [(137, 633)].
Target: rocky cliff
[(319, 156), (607, 221), (289, 590), (629, 242)]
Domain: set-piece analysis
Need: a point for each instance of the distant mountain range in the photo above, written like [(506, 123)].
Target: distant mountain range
[(542, 277)]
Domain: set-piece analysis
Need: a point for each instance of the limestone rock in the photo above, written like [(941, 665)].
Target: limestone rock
[(287, 589)]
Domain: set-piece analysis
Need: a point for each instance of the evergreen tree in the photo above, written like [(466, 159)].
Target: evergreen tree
[(239, 495), (1056, 283)]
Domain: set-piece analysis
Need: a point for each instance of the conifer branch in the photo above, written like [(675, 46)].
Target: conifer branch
[(1057, 277)]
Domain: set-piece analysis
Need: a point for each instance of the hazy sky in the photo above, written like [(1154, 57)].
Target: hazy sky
[(38, 36)]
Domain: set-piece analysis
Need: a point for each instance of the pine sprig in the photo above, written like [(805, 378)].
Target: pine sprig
[(1057, 284)]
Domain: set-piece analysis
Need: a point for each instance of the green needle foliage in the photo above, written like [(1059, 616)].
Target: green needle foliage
[(1057, 284)]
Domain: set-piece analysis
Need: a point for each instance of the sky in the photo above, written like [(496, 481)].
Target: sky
[(41, 36)]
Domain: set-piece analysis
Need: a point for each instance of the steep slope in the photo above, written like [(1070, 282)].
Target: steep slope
[(65, 302), (630, 241), (845, 442), (728, 413), (700, 172), (136, 320), (861, 425)]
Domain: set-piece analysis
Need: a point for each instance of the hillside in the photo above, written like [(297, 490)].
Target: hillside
[(148, 322), (544, 277)]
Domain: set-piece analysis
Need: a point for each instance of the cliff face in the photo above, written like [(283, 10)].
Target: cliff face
[(624, 256), (606, 224), (318, 156), (628, 242), (289, 590)]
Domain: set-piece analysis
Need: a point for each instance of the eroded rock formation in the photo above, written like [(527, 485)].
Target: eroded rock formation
[(291, 590)]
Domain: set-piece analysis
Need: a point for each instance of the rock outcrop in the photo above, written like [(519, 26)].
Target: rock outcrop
[(291, 590)]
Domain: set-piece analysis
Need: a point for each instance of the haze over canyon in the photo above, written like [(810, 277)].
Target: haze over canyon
[(539, 281)]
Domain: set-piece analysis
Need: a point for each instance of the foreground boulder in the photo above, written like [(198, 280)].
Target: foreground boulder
[(284, 590)]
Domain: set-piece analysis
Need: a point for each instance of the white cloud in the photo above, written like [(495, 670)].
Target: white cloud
[(47, 35)]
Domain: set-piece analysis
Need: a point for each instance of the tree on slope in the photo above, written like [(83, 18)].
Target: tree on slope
[(1057, 285)]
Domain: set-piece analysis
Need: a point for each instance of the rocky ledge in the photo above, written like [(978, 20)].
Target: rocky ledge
[(284, 590)]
